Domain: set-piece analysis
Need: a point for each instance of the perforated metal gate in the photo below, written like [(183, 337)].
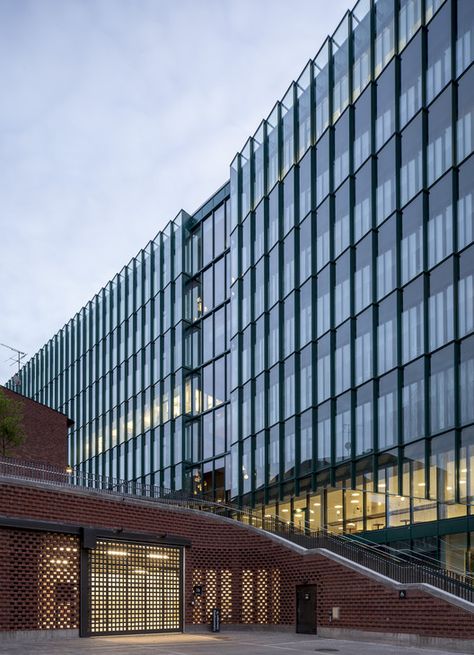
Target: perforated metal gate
[(134, 588)]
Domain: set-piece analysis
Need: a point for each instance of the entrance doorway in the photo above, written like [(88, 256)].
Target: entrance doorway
[(133, 588), (306, 609)]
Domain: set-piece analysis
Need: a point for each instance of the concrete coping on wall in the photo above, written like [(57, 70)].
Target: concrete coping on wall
[(301, 550)]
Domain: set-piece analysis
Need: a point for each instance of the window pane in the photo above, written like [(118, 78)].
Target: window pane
[(322, 235), (439, 52), (340, 51), (387, 335), (409, 20), (466, 292), (363, 274), (384, 34), (341, 150), (274, 395), (305, 184), (305, 313), (386, 168), (305, 249), (341, 220), (386, 257), (412, 240), (440, 221), (466, 204), (385, 117), (362, 201), (306, 378), (361, 47), (465, 120), (466, 381), (289, 263), (364, 420), (289, 201), (410, 81), (343, 427), (324, 368), (412, 321), (324, 435), (322, 169), (465, 35), (387, 407), (363, 347), (323, 302), (442, 389), (413, 401), (411, 172), (342, 290), (439, 153), (343, 358), (362, 128), (321, 77), (440, 305)]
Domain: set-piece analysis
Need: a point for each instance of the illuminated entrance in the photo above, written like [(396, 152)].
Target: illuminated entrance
[(133, 588)]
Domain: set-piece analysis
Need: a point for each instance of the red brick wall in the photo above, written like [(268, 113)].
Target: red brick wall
[(45, 432), (251, 577)]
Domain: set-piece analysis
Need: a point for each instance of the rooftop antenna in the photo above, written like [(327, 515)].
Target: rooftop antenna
[(15, 359)]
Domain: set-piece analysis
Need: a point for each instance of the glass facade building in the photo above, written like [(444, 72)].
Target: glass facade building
[(304, 343)]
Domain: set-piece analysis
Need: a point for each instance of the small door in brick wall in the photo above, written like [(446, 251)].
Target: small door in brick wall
[(306, 609)]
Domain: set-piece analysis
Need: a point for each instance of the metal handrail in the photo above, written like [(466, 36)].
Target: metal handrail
[(376, 557)]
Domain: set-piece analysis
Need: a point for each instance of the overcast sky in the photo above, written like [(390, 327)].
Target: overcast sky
[(114, 115)]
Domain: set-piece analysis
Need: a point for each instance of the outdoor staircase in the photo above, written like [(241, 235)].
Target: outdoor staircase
[(405, 567)]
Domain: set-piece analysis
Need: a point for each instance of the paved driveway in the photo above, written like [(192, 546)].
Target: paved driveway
[(227, 643)]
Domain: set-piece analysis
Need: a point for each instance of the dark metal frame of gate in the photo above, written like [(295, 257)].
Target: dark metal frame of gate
[(89, 541)]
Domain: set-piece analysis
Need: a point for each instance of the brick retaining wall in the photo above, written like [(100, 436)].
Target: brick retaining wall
[(251, 577)]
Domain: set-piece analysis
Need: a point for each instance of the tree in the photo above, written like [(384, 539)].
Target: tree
[(11, 424)]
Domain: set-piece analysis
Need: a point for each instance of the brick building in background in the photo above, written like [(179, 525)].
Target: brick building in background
[(45, 432)]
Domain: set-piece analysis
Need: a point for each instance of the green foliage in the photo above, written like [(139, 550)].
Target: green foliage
[(11, 427)]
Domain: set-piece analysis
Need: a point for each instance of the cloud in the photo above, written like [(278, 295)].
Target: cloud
[(116, 114)]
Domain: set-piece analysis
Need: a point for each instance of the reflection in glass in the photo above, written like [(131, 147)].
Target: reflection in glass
[(440, 221), (410, 81), (361, 47), (439, 153), (324, 435), (387, 335), (442, 389), (465, 116), (362, 201), (465, 35), (412, 321), (384, 34), (343, 429), (386, 257), (412, 240), (363, 274), (340, 53), (440, 305), (363, 420), (386, 182), (413, 401), (363, 347), (411, 172), (438, 71), (466, 292), (321, 77), (341, 220), (385, 115), (466, 204), (342, 358), (409, 20), (387, 407)]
